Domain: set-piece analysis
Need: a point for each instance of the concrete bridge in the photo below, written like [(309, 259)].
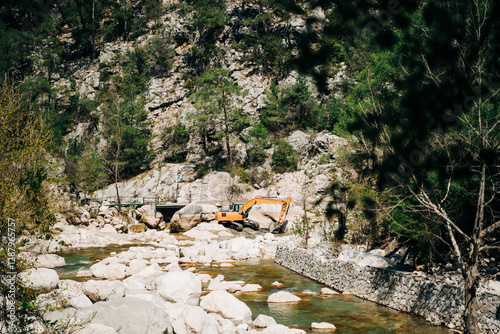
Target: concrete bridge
[(159, 203)]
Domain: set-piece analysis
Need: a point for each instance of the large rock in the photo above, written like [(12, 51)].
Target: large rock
[(328, 292), (251, 288), (187, 217), (49, 261), (130, 315), (135, 266), (224, 285), (79, 301), (283, 297), (494, 287), (148, 276), (327, 143), (364, 259), (103, 290), (96, 329), (300, 142), (134, 286), (151, 220), (115, 271), (98, 269), (40, 279), (224, 326), (179, 287), (278, 329), (198, 321), (263, 321), (323, 326), (228, 306)]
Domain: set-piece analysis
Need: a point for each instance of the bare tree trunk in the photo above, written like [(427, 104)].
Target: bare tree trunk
[(471, 285), (226, 125), (471, 274), (116, 188)]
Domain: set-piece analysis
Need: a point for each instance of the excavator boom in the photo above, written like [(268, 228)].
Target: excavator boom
[(239, 218)]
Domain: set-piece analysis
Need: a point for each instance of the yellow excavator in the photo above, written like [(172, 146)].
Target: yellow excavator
[(237, 215)]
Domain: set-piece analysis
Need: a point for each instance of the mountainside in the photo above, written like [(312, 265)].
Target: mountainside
[(149, 82), (384, 113)]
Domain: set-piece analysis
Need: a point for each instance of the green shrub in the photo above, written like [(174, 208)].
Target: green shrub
[(290, 108), (159, 53), (253, 175), (257, 141), (104, 71), (324, 159), (175, 139), (284, 157)]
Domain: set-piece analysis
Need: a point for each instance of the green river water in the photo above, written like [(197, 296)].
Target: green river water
[(348, 313)]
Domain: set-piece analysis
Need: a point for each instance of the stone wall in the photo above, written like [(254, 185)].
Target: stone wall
[(439, 301)]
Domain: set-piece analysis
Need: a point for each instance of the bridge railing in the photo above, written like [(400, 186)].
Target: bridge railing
[(124, 200)]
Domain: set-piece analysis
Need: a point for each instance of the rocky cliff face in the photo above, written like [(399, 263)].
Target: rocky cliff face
[(167, 95), (168, 104), (178, 182)]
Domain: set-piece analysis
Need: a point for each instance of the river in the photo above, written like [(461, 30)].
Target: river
[(348, 313)]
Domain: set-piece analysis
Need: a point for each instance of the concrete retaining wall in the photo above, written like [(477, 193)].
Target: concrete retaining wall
[(438, 301)]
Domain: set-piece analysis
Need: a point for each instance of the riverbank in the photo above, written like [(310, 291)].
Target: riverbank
[(437, 299), (155, 284), (146, 289)]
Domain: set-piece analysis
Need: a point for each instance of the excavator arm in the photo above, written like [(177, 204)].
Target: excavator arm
[(285, 205), (245, 209), (240, 217)]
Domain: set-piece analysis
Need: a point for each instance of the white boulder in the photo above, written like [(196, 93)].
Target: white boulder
[(103, 290), (96, 329), (277, 284), (198, 321), (277, 329), (179, 287), (225, 285), (228, 306), (98, 269), (251, 288), (115, 271), (187, 217), (263, 321), (49, 261), (327, 292), (494, 287), (135, 266), (40, 279), (323, 326), (282, 297), (130, 315), (79, 301)]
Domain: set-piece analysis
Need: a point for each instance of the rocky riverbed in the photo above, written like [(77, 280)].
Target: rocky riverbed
[(154, 289), (170, 278), (151, 281)]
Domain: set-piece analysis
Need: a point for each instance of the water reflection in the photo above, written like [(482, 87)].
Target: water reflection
[(348, 313)]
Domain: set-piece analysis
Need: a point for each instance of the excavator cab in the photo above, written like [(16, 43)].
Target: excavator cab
[(235, 206)]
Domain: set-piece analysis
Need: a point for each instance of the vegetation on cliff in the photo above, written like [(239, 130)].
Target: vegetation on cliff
[(415, 84)]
